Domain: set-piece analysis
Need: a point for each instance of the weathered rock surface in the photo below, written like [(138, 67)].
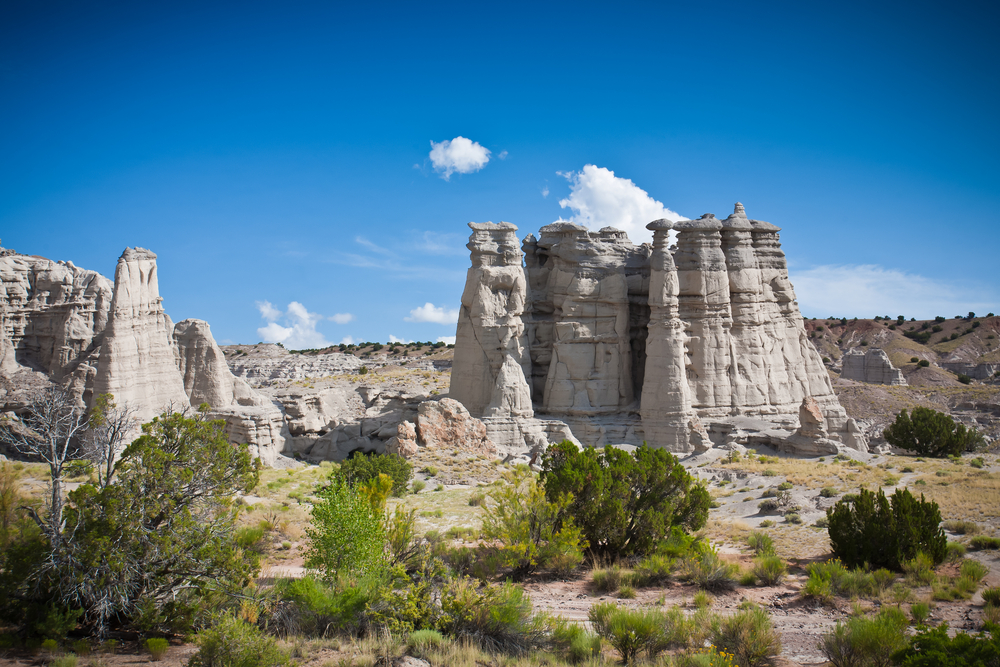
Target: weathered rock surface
[(404, 442), (137, 363), (707, 330), (448, 424), (872, 366)]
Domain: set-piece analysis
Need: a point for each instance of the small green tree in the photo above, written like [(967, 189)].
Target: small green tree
[(526, 528), (933, 647), (347, 535), (625, 503), (360, 469), (931, 433), (885, 532)]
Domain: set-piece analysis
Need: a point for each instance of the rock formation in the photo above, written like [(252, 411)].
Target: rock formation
[(447, 423), (81, 331), (873, 367), (628, 344), (137, 363)]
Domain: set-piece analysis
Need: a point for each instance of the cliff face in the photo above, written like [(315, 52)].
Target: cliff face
[(82, 331), (665, 345)]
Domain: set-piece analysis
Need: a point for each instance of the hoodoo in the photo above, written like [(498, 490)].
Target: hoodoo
[(680, 347)]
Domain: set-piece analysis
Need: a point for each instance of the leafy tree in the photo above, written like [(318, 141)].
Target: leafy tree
[(360, 469), (931, 433), (141, 549), (347, 535), (526, 526), (885, 532), (109, 427), (624, 503)]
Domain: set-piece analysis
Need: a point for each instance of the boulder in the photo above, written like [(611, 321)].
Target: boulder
[(404, 442), (448, 424)]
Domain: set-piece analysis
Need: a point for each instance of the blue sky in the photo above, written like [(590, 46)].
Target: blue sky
[(281, 153)]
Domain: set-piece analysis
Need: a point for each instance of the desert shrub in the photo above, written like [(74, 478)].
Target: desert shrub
[(767, 506), (748, 635), (314, 607), (421, 642), (526, 528), (418, 485), (624, 502), (230, 642), (964, 379), (977, 462), (477, 499), (626, 592), (828, 492), (610, 578), (932, 647), (573, 641), (347, 534), (631, 631), (769, 570), (785, 486), (919, 569), (68, 660), (157, 647), (653, 570), (961, 527), (793, 517), (497, 618), (920, 612), (914, 360), (991, 596), (984, 542), (704, 568), (761, 543), (360, 469), (865, 640), (974, 570), (955, 551), (884, 532), (766, 523), (930, 433)]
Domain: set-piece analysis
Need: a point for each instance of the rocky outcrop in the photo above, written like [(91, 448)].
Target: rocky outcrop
[(52, 317), (448, 424), (404, 442), (644, 343), (872, 367), (137, 363)]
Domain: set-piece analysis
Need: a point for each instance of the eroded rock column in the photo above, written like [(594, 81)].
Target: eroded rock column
[(667, 418), (703, 303), (491, 356)]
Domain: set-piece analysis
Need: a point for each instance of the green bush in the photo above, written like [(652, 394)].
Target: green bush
[(418, 485), (157, 647), (828, 492), (360, 469), (498, 619), (573, 641), (346, 535), (769, 570), (316, 606), (956, 551), (632, 631), (932, 647), (707, 571), (527, 529), (609, 579), (931, 433), (230, 642), (761, 543), (748, 635), (653, 570), (991, 596), (68, 660), (626, 592), (625, 503), (421, 642), (961, 527), (865, 640), (984, 542), (785, 486), (884, 532)]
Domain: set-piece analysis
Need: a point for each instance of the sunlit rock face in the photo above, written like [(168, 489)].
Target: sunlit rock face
[(623, 344), (873, 367)]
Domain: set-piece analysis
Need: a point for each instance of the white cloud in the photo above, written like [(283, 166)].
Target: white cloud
[(447, 340), (437, 243), (870, 290), (503, 155), (598, 199), (431, 313), (342, 318), (545, 192), (300, 332), (348, 340), (458, 155), (393, 339), (268, 311)]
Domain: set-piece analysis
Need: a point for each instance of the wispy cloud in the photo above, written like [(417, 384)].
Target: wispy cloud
[(299, 329), (342, 318), (406, 263), (394, 339), (870, 290), (431, 313), (436, 243), (348, 340), (598, 199), (460, 155), (447, 340), (545, 192)]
